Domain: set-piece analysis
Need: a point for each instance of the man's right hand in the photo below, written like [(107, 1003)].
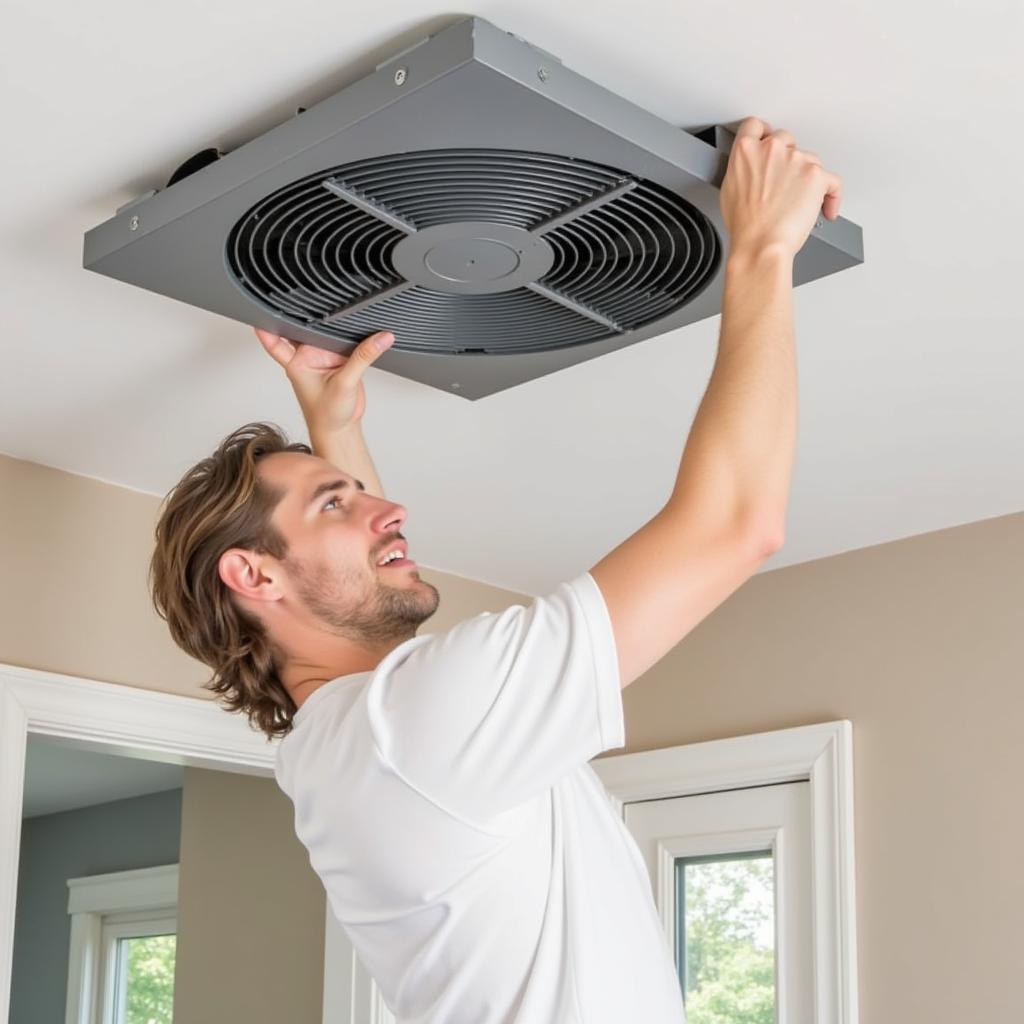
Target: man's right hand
[(773, 192), (328, 385)]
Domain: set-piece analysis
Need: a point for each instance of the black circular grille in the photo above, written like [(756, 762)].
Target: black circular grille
[(626, 251)]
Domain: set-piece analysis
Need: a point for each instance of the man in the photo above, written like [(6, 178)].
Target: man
[(440, 782)]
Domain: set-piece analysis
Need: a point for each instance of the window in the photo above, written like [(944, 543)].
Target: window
[(137, 968), (725, 937), (731, 873), (123, 942)]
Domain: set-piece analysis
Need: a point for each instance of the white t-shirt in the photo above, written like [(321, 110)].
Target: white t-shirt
[(467, 848)]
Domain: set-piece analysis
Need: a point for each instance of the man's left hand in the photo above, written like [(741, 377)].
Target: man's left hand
[(328, 385)]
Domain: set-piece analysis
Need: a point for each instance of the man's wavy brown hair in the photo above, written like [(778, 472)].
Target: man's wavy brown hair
[(221, 503)]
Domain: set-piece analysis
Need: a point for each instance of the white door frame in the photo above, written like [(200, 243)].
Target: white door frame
[(109, 719), (192, 731)]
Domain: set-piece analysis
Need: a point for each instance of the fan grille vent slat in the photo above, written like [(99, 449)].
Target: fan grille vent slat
[(516, 321), (307, 253)]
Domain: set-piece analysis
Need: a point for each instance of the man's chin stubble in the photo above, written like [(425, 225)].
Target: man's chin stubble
[(399, 610)]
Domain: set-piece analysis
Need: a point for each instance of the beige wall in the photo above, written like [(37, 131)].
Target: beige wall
[(250, 908), (75, 553), (918, 643)]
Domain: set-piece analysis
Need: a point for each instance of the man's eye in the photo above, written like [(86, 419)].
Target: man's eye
[(331, 502)]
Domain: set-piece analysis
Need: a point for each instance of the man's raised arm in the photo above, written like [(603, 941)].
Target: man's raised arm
[(726, 513)]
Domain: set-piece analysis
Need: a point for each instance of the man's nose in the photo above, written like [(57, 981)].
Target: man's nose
[(392, 513)]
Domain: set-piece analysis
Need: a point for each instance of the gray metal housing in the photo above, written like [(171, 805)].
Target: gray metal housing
[(472, 87)]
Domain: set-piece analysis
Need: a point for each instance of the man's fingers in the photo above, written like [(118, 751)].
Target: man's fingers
[(370, 347), (787, 137), (283, 351), (833, 195), (362, 356), (754, 127), (280, 349)]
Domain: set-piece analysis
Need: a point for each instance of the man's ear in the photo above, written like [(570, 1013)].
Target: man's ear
[(250, 574)]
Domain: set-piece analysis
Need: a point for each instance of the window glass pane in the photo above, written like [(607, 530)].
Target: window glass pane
[(147, 969), (725, 937)]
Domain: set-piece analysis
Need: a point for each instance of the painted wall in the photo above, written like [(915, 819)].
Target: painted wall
[(122, 835), (250, 908), (918, 642), (68, 541)]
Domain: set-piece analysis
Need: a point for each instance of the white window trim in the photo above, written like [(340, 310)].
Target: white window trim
[(115, 929), (135, 897), (820, 754)]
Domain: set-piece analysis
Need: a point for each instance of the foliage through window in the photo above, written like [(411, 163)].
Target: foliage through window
[(145, 980), (725, 937)]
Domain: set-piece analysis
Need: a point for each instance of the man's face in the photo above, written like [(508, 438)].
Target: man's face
[(336, 534)]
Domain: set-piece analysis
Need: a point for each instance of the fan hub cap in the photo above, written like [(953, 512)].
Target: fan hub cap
[(472, 257)]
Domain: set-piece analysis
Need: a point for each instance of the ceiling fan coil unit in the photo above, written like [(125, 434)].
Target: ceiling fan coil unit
[(502, 215)]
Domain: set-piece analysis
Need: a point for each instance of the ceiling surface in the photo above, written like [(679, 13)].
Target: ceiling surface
[(911, 366), (63, 778)]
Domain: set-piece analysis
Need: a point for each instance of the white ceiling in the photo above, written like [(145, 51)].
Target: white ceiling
[(59, 777), (911, 366)]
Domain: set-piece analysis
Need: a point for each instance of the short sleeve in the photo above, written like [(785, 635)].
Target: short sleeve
[(499, 708)]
